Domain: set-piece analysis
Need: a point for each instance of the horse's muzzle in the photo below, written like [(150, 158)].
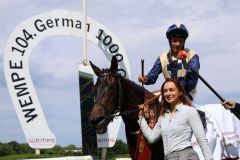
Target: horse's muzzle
[(99, 123)]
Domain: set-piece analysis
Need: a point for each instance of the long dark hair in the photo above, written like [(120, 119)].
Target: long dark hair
[(183, 98)]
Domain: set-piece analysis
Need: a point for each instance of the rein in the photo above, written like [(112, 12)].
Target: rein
[(118, 112), (126, 113)]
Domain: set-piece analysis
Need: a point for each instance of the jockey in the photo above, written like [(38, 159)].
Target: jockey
[(171, 66)]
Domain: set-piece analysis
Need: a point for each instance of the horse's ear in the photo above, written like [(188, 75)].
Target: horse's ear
[(114, 65), (96, 70)]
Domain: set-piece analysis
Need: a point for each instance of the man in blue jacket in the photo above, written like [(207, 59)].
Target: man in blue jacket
[(171, 65)]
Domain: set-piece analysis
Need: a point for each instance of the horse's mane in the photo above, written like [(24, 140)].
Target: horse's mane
[(133, 84), (128, 81)]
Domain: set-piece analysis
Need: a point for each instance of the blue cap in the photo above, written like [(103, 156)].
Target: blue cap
[(177, 31)]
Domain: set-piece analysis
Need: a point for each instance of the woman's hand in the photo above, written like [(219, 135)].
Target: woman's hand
[(143, 111), (141, 108)]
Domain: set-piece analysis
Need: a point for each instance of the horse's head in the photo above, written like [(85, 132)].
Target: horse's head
[(106, 95)]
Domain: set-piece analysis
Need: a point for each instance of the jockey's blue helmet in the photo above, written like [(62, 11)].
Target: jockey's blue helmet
[(177, 31)]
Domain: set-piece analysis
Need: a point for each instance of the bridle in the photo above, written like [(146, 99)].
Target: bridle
[(118, 112)]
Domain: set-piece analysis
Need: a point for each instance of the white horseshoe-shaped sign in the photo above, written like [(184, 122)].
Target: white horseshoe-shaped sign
[(16, 65)]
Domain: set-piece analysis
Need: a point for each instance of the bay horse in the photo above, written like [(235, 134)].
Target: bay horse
[(115, 95)]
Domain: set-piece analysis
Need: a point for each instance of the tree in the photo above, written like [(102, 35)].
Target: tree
[(119, 148), (58, 150), (6, 149)]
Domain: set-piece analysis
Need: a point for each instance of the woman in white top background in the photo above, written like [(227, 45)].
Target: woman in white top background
[(176, 124)]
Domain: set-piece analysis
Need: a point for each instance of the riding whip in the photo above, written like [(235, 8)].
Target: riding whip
[(142, 68)]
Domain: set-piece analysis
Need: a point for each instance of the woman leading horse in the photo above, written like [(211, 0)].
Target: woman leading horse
[(117, 96)]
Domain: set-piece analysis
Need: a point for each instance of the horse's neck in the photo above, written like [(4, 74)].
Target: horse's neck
[(133, 94)]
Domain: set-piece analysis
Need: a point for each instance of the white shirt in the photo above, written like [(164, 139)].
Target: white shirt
[(176, 131)]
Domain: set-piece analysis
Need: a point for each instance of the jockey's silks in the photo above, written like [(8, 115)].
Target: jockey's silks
[(171, 70)]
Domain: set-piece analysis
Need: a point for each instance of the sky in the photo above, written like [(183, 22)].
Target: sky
[(140, 26)]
